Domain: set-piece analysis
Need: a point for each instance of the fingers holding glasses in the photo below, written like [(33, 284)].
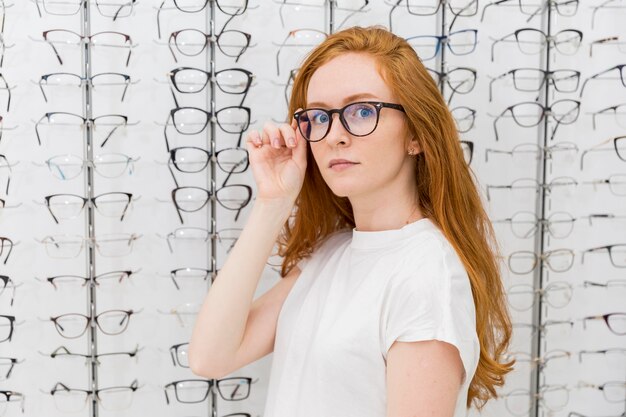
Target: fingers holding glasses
[(278, 160)]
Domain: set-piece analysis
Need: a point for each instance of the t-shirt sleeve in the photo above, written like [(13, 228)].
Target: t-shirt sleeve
[(431, 299)]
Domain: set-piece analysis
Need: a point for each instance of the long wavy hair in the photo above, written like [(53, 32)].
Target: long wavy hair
[(446, 191)]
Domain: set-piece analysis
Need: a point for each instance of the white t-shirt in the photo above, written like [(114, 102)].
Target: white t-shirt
[(358, 293)]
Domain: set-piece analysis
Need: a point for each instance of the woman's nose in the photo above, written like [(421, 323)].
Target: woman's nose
[(337, 133)]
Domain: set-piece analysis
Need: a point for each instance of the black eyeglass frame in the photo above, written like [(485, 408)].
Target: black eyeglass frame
[(378, 105)]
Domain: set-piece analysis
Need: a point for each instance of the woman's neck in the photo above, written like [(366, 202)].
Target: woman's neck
[(386, 214)]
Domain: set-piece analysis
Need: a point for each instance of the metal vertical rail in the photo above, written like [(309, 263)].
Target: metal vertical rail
[(443, 46), (540, 243), (331, 13), (90, 225), (211, 146)]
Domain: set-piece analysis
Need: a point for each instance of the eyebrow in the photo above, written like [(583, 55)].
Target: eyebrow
[(345, 100)]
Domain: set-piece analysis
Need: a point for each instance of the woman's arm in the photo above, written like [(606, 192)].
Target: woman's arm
[(278, 161), (221, 323), (423, 379)]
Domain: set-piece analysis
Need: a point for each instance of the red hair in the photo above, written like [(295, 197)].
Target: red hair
[(446, 190)]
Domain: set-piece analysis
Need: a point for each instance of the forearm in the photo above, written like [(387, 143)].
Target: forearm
[(221, 322)]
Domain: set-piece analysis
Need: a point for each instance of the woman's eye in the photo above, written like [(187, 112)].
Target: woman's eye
[(362, 112), (320, 118)]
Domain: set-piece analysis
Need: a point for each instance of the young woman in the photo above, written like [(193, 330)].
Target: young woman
[(391, 302)]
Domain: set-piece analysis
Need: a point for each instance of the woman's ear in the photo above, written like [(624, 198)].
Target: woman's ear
[(414, 145)]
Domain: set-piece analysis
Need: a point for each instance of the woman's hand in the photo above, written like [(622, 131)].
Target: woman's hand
[(278, 160)]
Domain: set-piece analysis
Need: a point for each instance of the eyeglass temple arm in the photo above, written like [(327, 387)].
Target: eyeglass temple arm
[(493, 45), (494, 80), (50, 210), (169, 45), (42, 90), (37, 128), (174, 97), (495, 127), (158, 19), (10, 250), (173, 276), (55, 51), (456, 15), (170, 162), (121, 7), (130, 200), (180, 217), (108, 136), (493, 3), (539, 9), (38, 12), (558, 123), (601, 41), (590, 251), (172, 350)]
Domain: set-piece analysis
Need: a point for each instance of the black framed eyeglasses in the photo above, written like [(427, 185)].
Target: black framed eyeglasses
[(189, 80), (191, 42), (532, 41), (460, 42), (69, 206), (104, 278), (193, 120), (232, 197), (104, 79), (359, 119), (533, 79), (531, 113), (191, 159), (63, 352), (461, 80), (74, 325), (115, 398), (191, 275), (197, 390), (566, 8), (231, 8)]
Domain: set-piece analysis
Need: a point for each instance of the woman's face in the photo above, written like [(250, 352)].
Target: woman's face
[(379, 159)]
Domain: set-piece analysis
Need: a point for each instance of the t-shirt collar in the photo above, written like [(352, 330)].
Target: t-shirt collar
[(382, 238)]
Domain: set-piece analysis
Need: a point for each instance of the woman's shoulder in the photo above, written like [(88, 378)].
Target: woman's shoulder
[(431, 254)]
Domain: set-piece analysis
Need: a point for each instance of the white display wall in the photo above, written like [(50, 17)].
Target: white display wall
[(582, 366)]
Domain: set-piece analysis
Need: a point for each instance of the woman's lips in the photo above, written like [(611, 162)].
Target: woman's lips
[(341, 164)]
